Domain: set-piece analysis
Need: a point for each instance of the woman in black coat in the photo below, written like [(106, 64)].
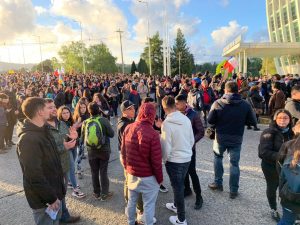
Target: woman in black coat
[(256, 101), (271, 140)]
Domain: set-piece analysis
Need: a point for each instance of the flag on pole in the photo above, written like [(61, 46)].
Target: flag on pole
[(56, 73), (230, 64)]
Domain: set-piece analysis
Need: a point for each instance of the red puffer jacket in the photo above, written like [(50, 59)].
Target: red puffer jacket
[(141, 149)]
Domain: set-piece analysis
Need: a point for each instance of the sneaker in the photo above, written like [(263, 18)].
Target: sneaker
[(70, 185), (175, 221), (163, 189), (275, 215), (172, 207), (79, 176), (77, 193), (140, 218), (198, 203), (105, 197), (187, 192), (71, 219), (214, 186), (256, 129), (97, 196), (233, 195), (249, 128)]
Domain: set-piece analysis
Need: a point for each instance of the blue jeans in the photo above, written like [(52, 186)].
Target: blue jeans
[(177, 173), (71, 173), (79, 156), (234, 155), (64, 210), (288, 217)]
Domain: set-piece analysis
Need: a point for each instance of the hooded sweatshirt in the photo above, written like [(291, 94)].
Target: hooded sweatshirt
[(229, 115), (177, 138), (40, 163), (141, 149), (293, 106)]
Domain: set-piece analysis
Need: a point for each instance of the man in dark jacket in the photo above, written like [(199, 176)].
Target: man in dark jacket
[(198, 130), (293, 104), (39, 159), (229, 115)]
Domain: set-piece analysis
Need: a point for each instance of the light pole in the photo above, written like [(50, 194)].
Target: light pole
[(149, 43), (83, 60), (39, 37)]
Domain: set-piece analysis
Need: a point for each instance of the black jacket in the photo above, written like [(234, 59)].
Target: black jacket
[(59, 99), (197, 125), (270, 143), (122, 124), (229, 115), (40, 163), (293, 106), (256, 100)]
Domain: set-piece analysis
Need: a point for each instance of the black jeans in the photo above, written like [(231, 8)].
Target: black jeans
[(177, 173), (272, 180), (99, 166), (195, 180), (2, 135), (9, 133), (114, 105)]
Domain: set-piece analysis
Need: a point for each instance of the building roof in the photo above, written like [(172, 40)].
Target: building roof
[(267, 49)]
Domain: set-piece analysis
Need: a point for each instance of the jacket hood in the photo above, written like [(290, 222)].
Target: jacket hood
[(147, 113), (292, 100), (231, 99), (26, 126), (175, 118)]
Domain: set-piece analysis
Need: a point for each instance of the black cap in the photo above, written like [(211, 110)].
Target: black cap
[(181, 98), (126, 105)]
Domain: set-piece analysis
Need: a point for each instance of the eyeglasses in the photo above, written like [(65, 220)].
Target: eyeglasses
[(282, 118)]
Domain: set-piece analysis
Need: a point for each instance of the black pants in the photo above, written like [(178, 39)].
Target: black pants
[(114, 105), (99, 166), (195, 180), (272, 180), (2, 135), (9, 133)]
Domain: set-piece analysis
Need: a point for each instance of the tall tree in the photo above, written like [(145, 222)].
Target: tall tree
[(142, 66), (156, 55), (268, 66), (181, 51), (100, 59), (254, 66), (133, 68)]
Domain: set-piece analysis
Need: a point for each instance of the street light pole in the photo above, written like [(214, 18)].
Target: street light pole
[(120, 34), (39, 37), (149, 42), (82, 52)]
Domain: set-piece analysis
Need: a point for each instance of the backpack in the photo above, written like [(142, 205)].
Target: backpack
[(290, 181), (194, 100), (94, 137)]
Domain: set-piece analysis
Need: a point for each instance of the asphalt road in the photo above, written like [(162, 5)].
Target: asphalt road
[(249, 208)]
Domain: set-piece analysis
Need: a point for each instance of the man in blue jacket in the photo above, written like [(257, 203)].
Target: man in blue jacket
[(229, 115)]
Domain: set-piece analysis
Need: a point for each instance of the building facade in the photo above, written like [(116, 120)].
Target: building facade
[(284, 26)]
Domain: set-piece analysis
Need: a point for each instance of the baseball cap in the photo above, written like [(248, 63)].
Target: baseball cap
[(126, 105)]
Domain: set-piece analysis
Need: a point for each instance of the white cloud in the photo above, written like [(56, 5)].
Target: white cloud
[(179, 3), (16, 17), (40, 10), (225, 34), (224, 2)]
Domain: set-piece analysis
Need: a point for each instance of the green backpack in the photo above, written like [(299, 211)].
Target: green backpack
[(94, 137)]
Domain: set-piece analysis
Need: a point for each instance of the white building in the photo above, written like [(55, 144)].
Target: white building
[(284, 27)]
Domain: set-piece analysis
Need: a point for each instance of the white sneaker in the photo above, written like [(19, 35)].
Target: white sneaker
[(175, 221), (172, 207), (142, 220), (77, 193)]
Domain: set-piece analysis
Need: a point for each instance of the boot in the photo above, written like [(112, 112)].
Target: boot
[(199, 202)]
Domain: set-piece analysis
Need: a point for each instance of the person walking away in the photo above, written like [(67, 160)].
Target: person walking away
[(289, 180), (277, 100), (207, 98), (256, 101), (3, 121), (37, 152), (198, 131), (229, 115), (293, 104), (177, 141), (142, 160), (96, 132), (271, 140)]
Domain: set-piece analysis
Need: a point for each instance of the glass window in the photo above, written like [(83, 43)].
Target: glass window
[(272, 23), (293, 10), (278, 20), (288, 35), (280, 36), (285, 16), (286, 61), (279, 62), (294, 60), (296, 30), (274, 37)]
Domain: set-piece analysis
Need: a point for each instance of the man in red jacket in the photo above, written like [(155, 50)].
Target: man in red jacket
[(142, 159)]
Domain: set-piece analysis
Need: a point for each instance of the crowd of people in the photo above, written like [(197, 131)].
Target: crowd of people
[(160, 121)]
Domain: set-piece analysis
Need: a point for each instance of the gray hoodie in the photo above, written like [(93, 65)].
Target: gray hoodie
[(293, 106)]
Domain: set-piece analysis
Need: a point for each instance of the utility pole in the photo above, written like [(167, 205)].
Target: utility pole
[(120, 35), (39, 37), (179, 59)]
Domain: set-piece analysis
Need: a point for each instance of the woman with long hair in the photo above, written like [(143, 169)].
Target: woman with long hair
[(64, 114), (80, 115), (271, 140), (288, 168), (103, 105)]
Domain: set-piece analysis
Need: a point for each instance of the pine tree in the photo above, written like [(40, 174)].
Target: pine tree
[(142, 66), (133, 68)]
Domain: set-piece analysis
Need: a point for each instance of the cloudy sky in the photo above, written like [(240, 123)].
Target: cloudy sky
[(208, 25)]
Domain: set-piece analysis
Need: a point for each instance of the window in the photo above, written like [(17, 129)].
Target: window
[(278, 20), (285, 16), (294, 60), (296, 30), (280, 36), (288, 35), (272, 23), (274, 37), (286, 61), (279, 62), (293, 10)]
